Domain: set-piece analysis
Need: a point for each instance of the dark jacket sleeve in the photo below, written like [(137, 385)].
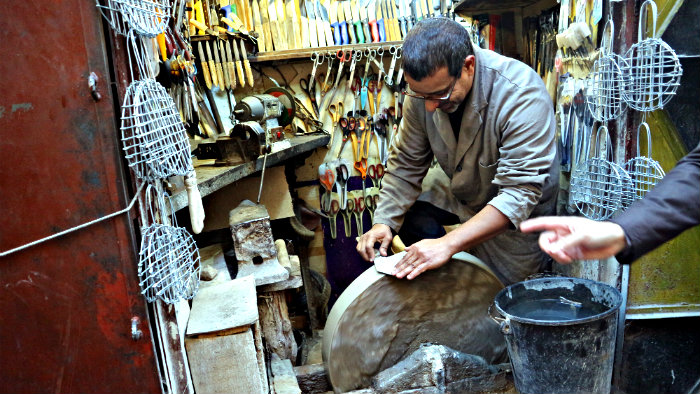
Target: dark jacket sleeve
[(666, 211)]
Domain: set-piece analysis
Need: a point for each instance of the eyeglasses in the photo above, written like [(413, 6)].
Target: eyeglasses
[(434, 97)]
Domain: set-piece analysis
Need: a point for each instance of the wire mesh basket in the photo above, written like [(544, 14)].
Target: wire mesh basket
[(644, 171), (169, 262), (653, 68), (147, 17), (598, 185), (606, 82)]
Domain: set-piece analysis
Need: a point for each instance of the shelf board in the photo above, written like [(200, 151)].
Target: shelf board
[(306, 52), (211, 178), (489, 6)]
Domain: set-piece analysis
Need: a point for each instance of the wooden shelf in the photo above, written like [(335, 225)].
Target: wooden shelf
[(211, 178), (489, 6), (307, 52)]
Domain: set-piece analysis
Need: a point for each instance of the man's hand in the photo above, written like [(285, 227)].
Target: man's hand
[(422, 256), (568, 238), (378, 233)]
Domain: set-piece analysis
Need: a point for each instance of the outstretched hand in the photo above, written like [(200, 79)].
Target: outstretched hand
[(422, 256), (568, 238)]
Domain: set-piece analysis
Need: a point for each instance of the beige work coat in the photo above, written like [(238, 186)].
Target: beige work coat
[(505, 157)]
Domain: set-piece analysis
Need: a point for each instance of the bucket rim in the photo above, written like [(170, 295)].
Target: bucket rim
[(613, 309)]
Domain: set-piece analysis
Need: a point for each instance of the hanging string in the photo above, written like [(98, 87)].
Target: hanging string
[(72, 229)]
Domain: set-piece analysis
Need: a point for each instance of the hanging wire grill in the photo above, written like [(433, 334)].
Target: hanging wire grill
[(153, 135), (598, 185), (147, 17), (606, 81), (653, 68), (644, 171), (169, 262)]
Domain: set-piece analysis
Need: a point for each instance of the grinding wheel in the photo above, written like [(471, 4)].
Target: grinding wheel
[(379, 319)]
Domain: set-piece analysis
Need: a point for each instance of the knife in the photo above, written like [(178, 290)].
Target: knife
[(357, 21), (396, 32), (212, 67), (246, 65), (327, 24), (239, 68), (230, 65), (205, 66), (264, 16), (320, 28), (274, 28), (298, 25), (221, 54), (282, 23), (290, 24), (380, 21), (402, 18), (365, 24), (219, 70), (333, 15), (305, 42), (257, 21), (311, 15), (349, 22), (372, 20)]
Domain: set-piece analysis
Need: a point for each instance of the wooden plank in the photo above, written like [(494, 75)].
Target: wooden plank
[(276, 327), (306, 53), (211, 179), (224, 364), (223, 306)]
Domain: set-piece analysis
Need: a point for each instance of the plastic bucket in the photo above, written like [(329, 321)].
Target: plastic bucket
[(560, 334)]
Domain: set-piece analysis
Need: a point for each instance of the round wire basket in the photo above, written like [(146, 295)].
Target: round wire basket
[(598, 185), (169, 261), (147, 18), (644, 171), (652, 66), (153, 135), (606, 82)]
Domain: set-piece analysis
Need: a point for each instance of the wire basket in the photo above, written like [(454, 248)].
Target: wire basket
[(606, 82), (169, 262), (653, 68), (147, 17), (644, 171), (598, 185), (153, 135)]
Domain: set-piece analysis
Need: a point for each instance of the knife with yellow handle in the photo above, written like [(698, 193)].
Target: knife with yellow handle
[(205, 66), (239, 67), (219, 70), (246, 65), (224, 65), (257, 21), (230, 65), (264, 16), (212, 67)]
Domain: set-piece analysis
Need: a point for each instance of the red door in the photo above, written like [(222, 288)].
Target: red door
[(65, 305)]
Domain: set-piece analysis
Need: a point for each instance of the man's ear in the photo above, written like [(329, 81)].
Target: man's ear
[(469, 63)]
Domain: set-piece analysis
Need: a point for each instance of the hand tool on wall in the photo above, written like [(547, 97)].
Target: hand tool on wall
[(380, 21), (239, 67), (365, 24), (396, 54), (224, 64), (333, 16), (266, 27), (282, 23), (212, 66), (305, 39), (277, 41), (403, 18), (413, 14), (344, 39), (230, 65), (290, 24), (372, 20), (357, 22), (328, 33), (199, 16), (246, 65), (205, 65), (258, 26), (225, 11), (320, 24), (219, 70), (350, 23), (311, 15), (298, 25), (396, 32)]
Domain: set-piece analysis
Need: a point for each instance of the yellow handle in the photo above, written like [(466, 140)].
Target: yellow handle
[(239, 69), (248, 73), (232, 74), (207, 77)]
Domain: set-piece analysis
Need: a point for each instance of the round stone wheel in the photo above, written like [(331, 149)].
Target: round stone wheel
[(379, 319)]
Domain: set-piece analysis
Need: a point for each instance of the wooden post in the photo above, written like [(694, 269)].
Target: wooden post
[(276, 327)]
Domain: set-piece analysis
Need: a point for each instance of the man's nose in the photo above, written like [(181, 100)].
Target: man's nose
[(431, 105)]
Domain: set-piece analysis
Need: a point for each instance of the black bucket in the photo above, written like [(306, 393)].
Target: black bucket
[(560, 333)]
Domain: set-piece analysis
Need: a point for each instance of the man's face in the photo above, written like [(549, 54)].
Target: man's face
[(440, 84)]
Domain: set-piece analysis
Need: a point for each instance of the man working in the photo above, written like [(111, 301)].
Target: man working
[(489, 122)]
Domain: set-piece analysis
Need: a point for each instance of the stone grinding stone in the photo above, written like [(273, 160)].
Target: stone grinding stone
[(379, 320)]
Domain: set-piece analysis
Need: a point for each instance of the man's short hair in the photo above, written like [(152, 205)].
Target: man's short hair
[(433, 43)]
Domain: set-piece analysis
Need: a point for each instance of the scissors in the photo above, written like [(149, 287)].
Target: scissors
[(347, 216), (309, 88), (327, 179), (362, 149), (370, 206), (336, 111), (347, 125), (379, 131), (359, 211), (342, 184), (332, 214), (355, 86), (376, 173)]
